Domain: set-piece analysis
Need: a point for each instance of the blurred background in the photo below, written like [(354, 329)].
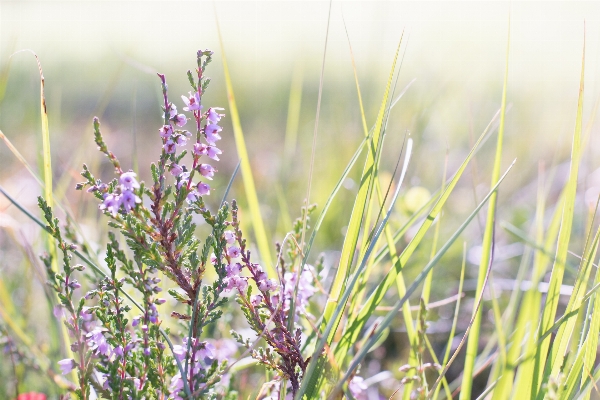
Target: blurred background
[(100, 58)]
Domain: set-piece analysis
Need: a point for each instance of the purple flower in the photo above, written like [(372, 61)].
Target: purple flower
[(192, 196), (357, 387), (74, 284), (305, 288), (239, 282), (256, 299), (233, 269), (267, 284), (129, 200), (203, 189), (207, 171), (172, 110), (136, 320), (192, 103), (229, 237), (233, 251), (169, 147), (97, 342), (176, 170), (111, 203), (67, 365), (213, 116), (183, 179), (176, 387), (212, 133), (200, 149), (166, 131), (179, 119), (181, 140), (128, 181), (213, 152)]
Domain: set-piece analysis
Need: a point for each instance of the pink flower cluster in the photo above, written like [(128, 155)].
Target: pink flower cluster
[(172, 139), (124, 196)]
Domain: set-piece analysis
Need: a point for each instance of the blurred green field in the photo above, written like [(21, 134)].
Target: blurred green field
[(100, 58)]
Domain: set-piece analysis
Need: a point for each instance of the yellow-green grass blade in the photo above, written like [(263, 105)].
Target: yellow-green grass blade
[(562, 248), (356, 219), (473, 340), (356, 325), (389, 318), (533, 298), (250, 190), (454, 322), (573, 374), (566, 331), (591, 344)]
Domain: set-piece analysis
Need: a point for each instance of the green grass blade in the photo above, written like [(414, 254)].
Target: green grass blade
[(591, 344), (486, 256), (565, 332), (454, 320), (564, 236), (257, 221)]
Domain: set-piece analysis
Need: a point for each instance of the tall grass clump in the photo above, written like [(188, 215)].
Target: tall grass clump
[(185, 296)]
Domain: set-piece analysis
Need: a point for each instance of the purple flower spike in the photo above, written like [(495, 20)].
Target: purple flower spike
[(207, 171), (213, 116), (212, 133), (66, 365), (192, 103), (128, 181)]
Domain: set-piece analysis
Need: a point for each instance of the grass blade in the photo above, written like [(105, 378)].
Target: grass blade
[(563, 244)]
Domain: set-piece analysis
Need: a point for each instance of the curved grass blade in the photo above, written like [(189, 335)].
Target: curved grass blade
[(257, 222)]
